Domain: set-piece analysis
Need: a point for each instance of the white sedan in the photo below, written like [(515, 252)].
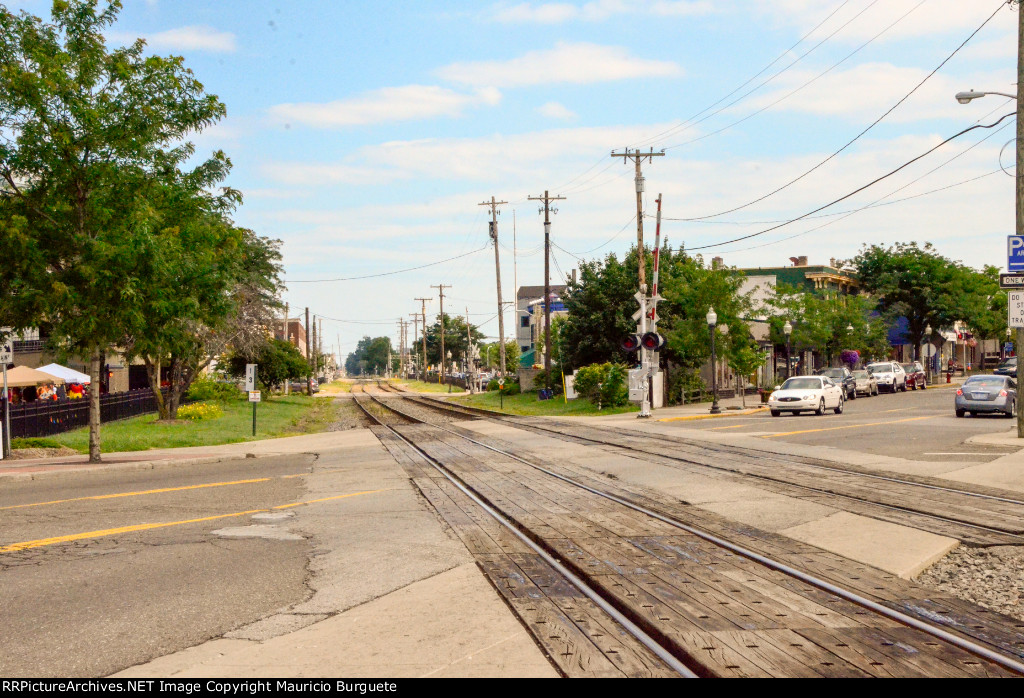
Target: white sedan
[(806, 394)]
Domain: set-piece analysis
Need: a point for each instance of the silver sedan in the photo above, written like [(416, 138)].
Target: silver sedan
[(987, 394)]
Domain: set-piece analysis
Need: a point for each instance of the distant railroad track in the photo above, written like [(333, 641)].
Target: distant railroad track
[(766, 606)]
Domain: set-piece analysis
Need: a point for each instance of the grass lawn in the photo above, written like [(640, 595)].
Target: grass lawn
[(528, 404), (421, 387), (281, 416), (343, 385)]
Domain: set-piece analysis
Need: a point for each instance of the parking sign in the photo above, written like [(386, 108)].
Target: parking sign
[(1015, 253)]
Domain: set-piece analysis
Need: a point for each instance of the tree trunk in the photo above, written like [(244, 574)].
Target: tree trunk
[(153, 373), (174, 391), (94, 404)]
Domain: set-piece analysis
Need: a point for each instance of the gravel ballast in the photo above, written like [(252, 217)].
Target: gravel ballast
[(990, 577)]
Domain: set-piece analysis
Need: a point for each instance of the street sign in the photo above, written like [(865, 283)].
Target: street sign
[(1011, 280), (250, 377), (254, 396), (1015, 253), (1015, 308)]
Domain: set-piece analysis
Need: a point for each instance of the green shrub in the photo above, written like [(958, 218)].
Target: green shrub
[(208, 389), (540, 380), (605, 384)]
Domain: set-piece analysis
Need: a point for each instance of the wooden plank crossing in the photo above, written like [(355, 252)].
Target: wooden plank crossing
[(707, 604)]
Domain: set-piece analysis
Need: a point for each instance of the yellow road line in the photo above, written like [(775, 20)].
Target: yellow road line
[(849, 426), (25, 545), (136, 494), (734, 426)]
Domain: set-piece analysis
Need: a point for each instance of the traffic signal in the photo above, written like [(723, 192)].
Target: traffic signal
[(630, 343), (652, 341)]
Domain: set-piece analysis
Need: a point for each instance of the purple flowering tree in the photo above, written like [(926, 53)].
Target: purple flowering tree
[(850, 357)]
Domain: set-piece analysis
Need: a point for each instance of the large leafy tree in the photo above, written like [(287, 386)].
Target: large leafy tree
[(277, 361), (87, 133), (454, 339), (919, 284), (371, 356)]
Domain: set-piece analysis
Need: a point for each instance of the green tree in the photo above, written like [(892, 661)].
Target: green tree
[(371, 356), (454, 339), (919, 284), (88, 131), (277, 361), (491, 357)]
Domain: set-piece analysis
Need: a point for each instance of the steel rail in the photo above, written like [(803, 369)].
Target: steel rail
[(898, 616), (768, 455), (633, 629)]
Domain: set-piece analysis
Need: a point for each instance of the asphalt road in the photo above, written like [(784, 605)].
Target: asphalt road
[(918, 425), (87, 605)]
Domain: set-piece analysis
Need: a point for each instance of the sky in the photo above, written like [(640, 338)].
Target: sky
[(364, 135)]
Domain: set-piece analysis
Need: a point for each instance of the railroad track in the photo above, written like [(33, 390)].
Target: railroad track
[(610, 584), (972, 514)]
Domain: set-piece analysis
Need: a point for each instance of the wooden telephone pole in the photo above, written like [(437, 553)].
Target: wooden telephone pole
[(423, 310), (547, 279), (444, 369), (638, 157), (497, 275)]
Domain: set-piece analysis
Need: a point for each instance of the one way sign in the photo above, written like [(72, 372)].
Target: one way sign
[(1015, 253)]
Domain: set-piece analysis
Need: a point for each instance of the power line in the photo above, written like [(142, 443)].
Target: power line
[(386, 273), (871, 126), (855, 191)]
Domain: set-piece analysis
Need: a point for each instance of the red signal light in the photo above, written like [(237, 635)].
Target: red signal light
[(652, 341), (630, 343)]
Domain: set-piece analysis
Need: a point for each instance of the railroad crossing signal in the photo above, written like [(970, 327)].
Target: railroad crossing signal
[(630, 343), (652, 341)]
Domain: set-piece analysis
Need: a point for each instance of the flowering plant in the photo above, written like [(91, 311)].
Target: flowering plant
[(200, 410), (850, 357)]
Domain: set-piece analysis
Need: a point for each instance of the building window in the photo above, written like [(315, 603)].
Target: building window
[(524, 321)]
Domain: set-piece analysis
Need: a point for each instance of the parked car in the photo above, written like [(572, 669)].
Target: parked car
[(916, 377), (890, 375), (987, 393), (843, 377), (1007, 367), (866, 382), (807, 394)]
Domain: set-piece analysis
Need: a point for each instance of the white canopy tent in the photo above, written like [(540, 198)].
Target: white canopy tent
[(69, 375)]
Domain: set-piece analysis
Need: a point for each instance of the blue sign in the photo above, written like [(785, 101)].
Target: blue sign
[(1015, 252)]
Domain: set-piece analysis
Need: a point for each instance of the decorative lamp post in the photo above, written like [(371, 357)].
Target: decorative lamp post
[(712, 318), (449, 377), (787, 329), (927, 359)]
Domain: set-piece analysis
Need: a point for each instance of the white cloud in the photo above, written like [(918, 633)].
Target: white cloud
[(191, 38), (555, 110), (580, 63), (407, 103), (595, 11)]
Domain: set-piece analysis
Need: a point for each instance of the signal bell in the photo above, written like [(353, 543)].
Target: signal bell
[(652, 341), (630, 343)]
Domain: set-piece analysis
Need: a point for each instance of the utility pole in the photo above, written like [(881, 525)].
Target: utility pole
[(288, 381), (309, 373), (415, 338), (547, 279), (470, 364), (1020, 188), (423, 310), (312, 348), (320, 338), (444, 369), (497, 275), (638, 157)]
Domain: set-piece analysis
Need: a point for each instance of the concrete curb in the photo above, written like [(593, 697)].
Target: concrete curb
[(128, 465), (731, 413)]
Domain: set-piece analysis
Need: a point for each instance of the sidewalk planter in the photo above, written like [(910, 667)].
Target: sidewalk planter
[(765, 394)]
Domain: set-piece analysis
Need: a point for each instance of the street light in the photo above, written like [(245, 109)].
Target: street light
[(788, 330), (966, 97), (712, 318), (928, 359), (449, 377)]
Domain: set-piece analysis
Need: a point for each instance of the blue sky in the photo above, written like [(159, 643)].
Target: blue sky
[(364, 134)]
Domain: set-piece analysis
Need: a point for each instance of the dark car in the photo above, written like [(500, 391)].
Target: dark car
[(1007, 367), (987, 394), (842, 377), (915, 375)]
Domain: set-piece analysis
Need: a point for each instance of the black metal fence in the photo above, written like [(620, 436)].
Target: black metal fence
[(48, 417)]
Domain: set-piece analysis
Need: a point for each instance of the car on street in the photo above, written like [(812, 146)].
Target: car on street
[(987, 393), (807, 394), (866, 382), (1007, 368), (842, 376), (890, 375), (915, 375)]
